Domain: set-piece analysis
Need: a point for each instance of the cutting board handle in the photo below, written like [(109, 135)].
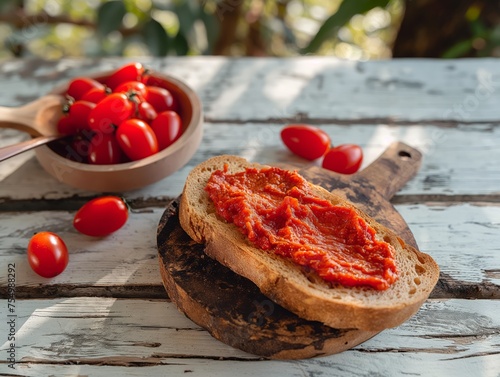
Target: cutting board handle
[(390, 172)]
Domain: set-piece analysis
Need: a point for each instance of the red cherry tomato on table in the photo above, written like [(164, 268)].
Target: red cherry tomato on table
[(47, 254), (104, 150), (79, 86), (136, 139), (167, 127), (129, 72), (101, 216), (344, 159), (306, 141), (110, 112)]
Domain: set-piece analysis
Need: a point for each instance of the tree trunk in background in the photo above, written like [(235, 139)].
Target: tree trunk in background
[(254, 43), (228, 13), (430, 27)]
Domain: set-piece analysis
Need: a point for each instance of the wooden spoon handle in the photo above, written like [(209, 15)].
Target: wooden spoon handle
[(20, 118), (32, 117), (15, 149)]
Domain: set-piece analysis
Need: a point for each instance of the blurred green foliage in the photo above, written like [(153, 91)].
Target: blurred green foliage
[(349, 29), (357, 29), (484, 40)]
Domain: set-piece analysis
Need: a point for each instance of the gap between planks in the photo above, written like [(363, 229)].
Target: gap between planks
[(388, 121), (446, 288), (143, 204)]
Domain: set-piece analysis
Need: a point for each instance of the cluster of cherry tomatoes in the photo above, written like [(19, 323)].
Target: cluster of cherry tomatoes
[(311, 143), (47, 252), (126, 117)]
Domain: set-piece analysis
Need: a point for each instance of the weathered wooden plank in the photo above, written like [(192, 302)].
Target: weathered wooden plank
[(450, 337), (316, 88), (463, 241), (462, 238), (298, 88), (125, 261), (125, 264), (457, 161)]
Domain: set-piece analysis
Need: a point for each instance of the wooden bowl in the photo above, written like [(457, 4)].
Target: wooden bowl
[(136, 174)]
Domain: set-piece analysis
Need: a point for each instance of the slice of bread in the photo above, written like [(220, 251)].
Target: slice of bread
[(287, 283)]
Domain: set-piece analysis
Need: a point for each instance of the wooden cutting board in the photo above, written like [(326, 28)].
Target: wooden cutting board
[(232, 308)]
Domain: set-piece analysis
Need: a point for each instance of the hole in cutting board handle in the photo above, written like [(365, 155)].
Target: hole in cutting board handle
[(404, 155)]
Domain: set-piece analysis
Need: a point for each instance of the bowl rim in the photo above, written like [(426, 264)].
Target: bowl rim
[(195, 122)]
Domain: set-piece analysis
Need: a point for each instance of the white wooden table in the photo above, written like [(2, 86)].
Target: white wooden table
[(108, 313)]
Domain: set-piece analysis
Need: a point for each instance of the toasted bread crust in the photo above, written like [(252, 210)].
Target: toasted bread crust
[(286, 283)]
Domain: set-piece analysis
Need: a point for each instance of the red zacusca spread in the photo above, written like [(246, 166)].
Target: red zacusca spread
[(277, 211)]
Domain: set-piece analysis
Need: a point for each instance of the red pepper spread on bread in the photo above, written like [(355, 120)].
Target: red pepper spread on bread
[(278, 212)]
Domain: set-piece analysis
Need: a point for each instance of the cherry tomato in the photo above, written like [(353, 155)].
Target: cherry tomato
[(47, 254), (104, 150), (95, 95), (146, 112), (167, 127), (129, 72), (306, 141), (136, 88), (101, 216), (161, 99), (136, 139), (81, 85), (76, 117), (344, 159), (110, 112)]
